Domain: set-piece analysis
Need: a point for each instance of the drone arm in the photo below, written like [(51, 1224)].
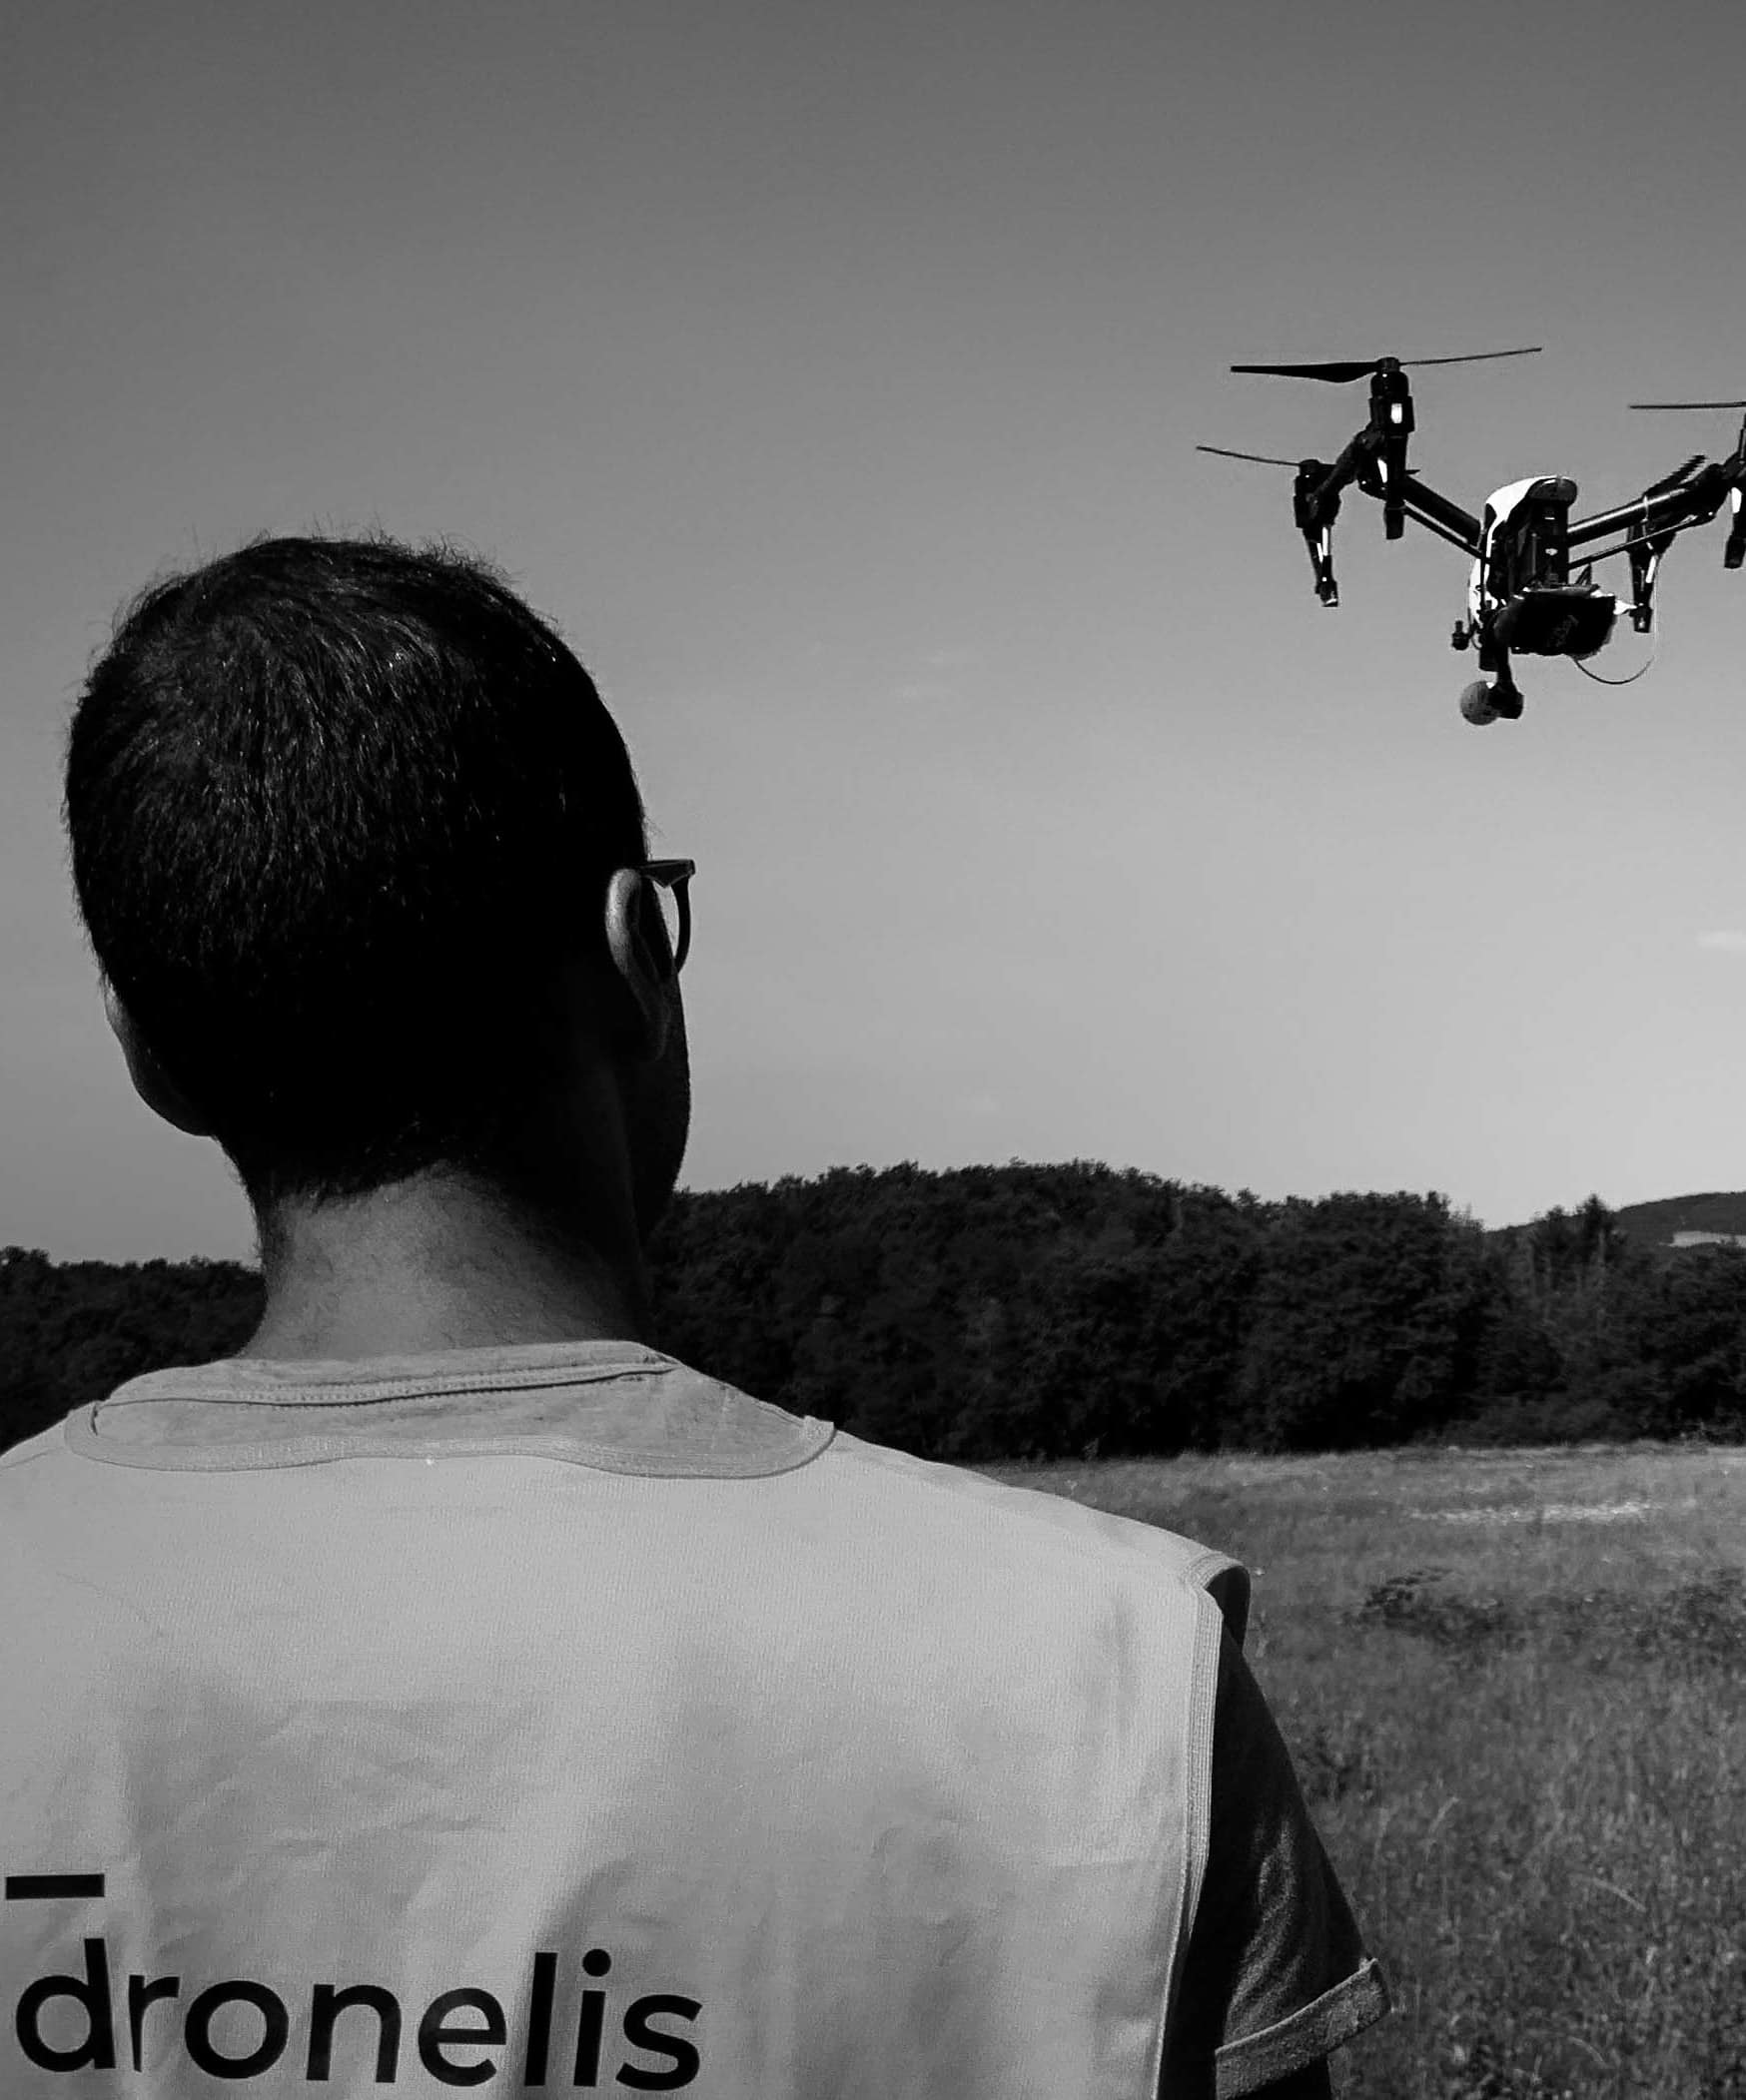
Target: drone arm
[(1650, 516), (1358, 462), (1316, 503), (1455, 539), (1448, 520)]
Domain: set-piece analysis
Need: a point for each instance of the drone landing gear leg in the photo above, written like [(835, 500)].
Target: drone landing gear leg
[(1319, 540), (1484, 701), (1645, 558)]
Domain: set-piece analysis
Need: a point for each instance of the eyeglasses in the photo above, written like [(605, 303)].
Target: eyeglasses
[(672, 881)]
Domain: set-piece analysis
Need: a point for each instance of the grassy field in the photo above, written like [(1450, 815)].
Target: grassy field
[(1514, 1684)]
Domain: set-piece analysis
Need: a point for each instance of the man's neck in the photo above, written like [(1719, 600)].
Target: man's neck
[(425, 1267)]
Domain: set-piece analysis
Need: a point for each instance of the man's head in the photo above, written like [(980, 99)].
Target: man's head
[(345, 822)]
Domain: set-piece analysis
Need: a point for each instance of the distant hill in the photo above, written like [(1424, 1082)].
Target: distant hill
[(1654, 1225)]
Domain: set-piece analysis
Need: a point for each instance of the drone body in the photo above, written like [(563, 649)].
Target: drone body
[(1521, 600)]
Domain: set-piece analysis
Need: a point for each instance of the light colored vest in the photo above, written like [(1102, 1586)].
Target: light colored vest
[(556, 1718)]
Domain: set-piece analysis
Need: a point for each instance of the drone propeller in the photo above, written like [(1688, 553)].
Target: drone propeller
[(1259, 458), (1734, 468), (1340, 373), (1736, 464), (1265, 458), (1672, 481)]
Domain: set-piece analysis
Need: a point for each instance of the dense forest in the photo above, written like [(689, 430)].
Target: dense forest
[(1071, 1310)]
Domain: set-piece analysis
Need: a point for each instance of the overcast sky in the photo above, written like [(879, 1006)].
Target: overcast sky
[(830, 372)]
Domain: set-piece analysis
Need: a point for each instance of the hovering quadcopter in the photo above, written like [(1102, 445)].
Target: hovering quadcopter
[(1520, 598)]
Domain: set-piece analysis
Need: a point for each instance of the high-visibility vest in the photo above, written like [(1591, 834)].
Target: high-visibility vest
[(554, 1719)]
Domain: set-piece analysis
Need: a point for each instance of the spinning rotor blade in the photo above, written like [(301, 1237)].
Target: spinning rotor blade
[(1672, 481), (1340, 373), (1336, 373), (1478, 357), (1738, 459), (1259, 458)]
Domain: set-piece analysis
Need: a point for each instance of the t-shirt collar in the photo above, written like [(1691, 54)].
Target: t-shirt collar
[(618, 1406)]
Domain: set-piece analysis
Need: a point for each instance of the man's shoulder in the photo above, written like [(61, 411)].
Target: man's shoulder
[(1035, 1520)]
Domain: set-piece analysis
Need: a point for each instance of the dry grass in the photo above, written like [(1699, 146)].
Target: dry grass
[(1514, 1684)]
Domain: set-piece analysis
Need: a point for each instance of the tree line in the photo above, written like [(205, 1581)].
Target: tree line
[(1022, 1311)]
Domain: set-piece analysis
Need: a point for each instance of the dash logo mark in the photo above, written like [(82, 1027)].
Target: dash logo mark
[(36, 1888)]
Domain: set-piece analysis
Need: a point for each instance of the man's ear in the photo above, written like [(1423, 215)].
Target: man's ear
[(151, 1081), (645, 974)]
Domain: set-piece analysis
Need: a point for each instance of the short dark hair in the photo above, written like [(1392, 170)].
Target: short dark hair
[(337, 810)]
